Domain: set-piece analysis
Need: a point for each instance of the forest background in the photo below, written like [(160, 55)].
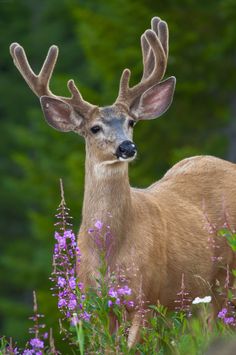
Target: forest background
[(97, 40)]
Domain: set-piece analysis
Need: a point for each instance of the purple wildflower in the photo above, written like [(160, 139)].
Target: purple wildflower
[(45, 335), (98, 225), (10, 349), (118, 296), (130, 303), (36, 346), (66, 259), (72, 304), (61, 282), (80, 285), (86, 316), (68, 234), (36, 343), (74, 320), (72, 282), (122, 291), (226, 319), (118, 301), (102, 238), (222, 313), (61, 239), (229, 320), (62, 303), (112, 293)]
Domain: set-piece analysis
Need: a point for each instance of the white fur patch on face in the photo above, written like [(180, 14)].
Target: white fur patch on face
[(109, 168), (127, 159), (112, 167)]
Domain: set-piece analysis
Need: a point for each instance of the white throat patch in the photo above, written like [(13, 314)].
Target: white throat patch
[(109, 168)]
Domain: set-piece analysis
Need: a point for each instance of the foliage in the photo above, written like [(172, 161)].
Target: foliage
[(230, 235), (89, 315), (97, 39)]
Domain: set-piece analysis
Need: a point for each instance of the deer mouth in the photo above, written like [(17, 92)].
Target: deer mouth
[(127, 159), (117, 160)]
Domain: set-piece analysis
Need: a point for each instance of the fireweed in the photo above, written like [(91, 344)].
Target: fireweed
[(36, 345), (88, 310), (116, 281), (228, 313), (183, 300), (212, 239), (66, 258), (40, 343)]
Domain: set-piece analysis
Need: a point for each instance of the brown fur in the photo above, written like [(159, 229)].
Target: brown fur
[(162, 229)]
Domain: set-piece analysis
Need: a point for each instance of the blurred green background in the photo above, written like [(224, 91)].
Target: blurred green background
[(97, 40)]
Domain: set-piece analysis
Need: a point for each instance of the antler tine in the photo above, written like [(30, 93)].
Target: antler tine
[(39, 84), (12, 49), (77, 100), (22, 64), (147, 53), (148, 57), (48, 66), (160, 59), (161, 29), (154, 44)]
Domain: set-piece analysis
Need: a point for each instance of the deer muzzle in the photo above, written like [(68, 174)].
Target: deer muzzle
[(127, 149)]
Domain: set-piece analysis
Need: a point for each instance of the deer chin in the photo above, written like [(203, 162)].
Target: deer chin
[(109, 168), (118, 160), (127, 160)]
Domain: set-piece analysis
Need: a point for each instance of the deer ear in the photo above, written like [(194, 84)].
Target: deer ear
[(155, 101), (59, 114)]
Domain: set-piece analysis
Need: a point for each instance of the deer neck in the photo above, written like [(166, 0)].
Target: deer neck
[(107, 196)]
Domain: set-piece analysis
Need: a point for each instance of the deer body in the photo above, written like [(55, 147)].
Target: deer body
[(162, 230)]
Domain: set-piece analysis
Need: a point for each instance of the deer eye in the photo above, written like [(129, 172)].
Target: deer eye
[(95, 129), (131, 123)]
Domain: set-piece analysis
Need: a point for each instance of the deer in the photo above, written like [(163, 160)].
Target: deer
[(160, 228)]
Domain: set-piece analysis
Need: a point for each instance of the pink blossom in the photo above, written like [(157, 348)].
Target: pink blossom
[(72, 282), (112, 293), (222, 313), (98, 225), (37, 343), (72, 304), (80, 285), (61, 281)]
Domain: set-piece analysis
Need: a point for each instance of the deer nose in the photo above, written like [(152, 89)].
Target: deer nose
[(126, 149)]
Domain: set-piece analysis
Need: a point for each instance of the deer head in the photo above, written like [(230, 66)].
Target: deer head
[(107, 130)]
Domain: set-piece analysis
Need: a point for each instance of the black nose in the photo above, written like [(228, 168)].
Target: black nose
[(126, 149)]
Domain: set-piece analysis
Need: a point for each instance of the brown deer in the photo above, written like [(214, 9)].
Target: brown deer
[(161, 229)]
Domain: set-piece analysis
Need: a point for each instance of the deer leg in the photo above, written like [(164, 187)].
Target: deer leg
[(134, 331)]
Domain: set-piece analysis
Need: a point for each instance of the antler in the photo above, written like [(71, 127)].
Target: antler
[(154, 44), (39, 84)]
